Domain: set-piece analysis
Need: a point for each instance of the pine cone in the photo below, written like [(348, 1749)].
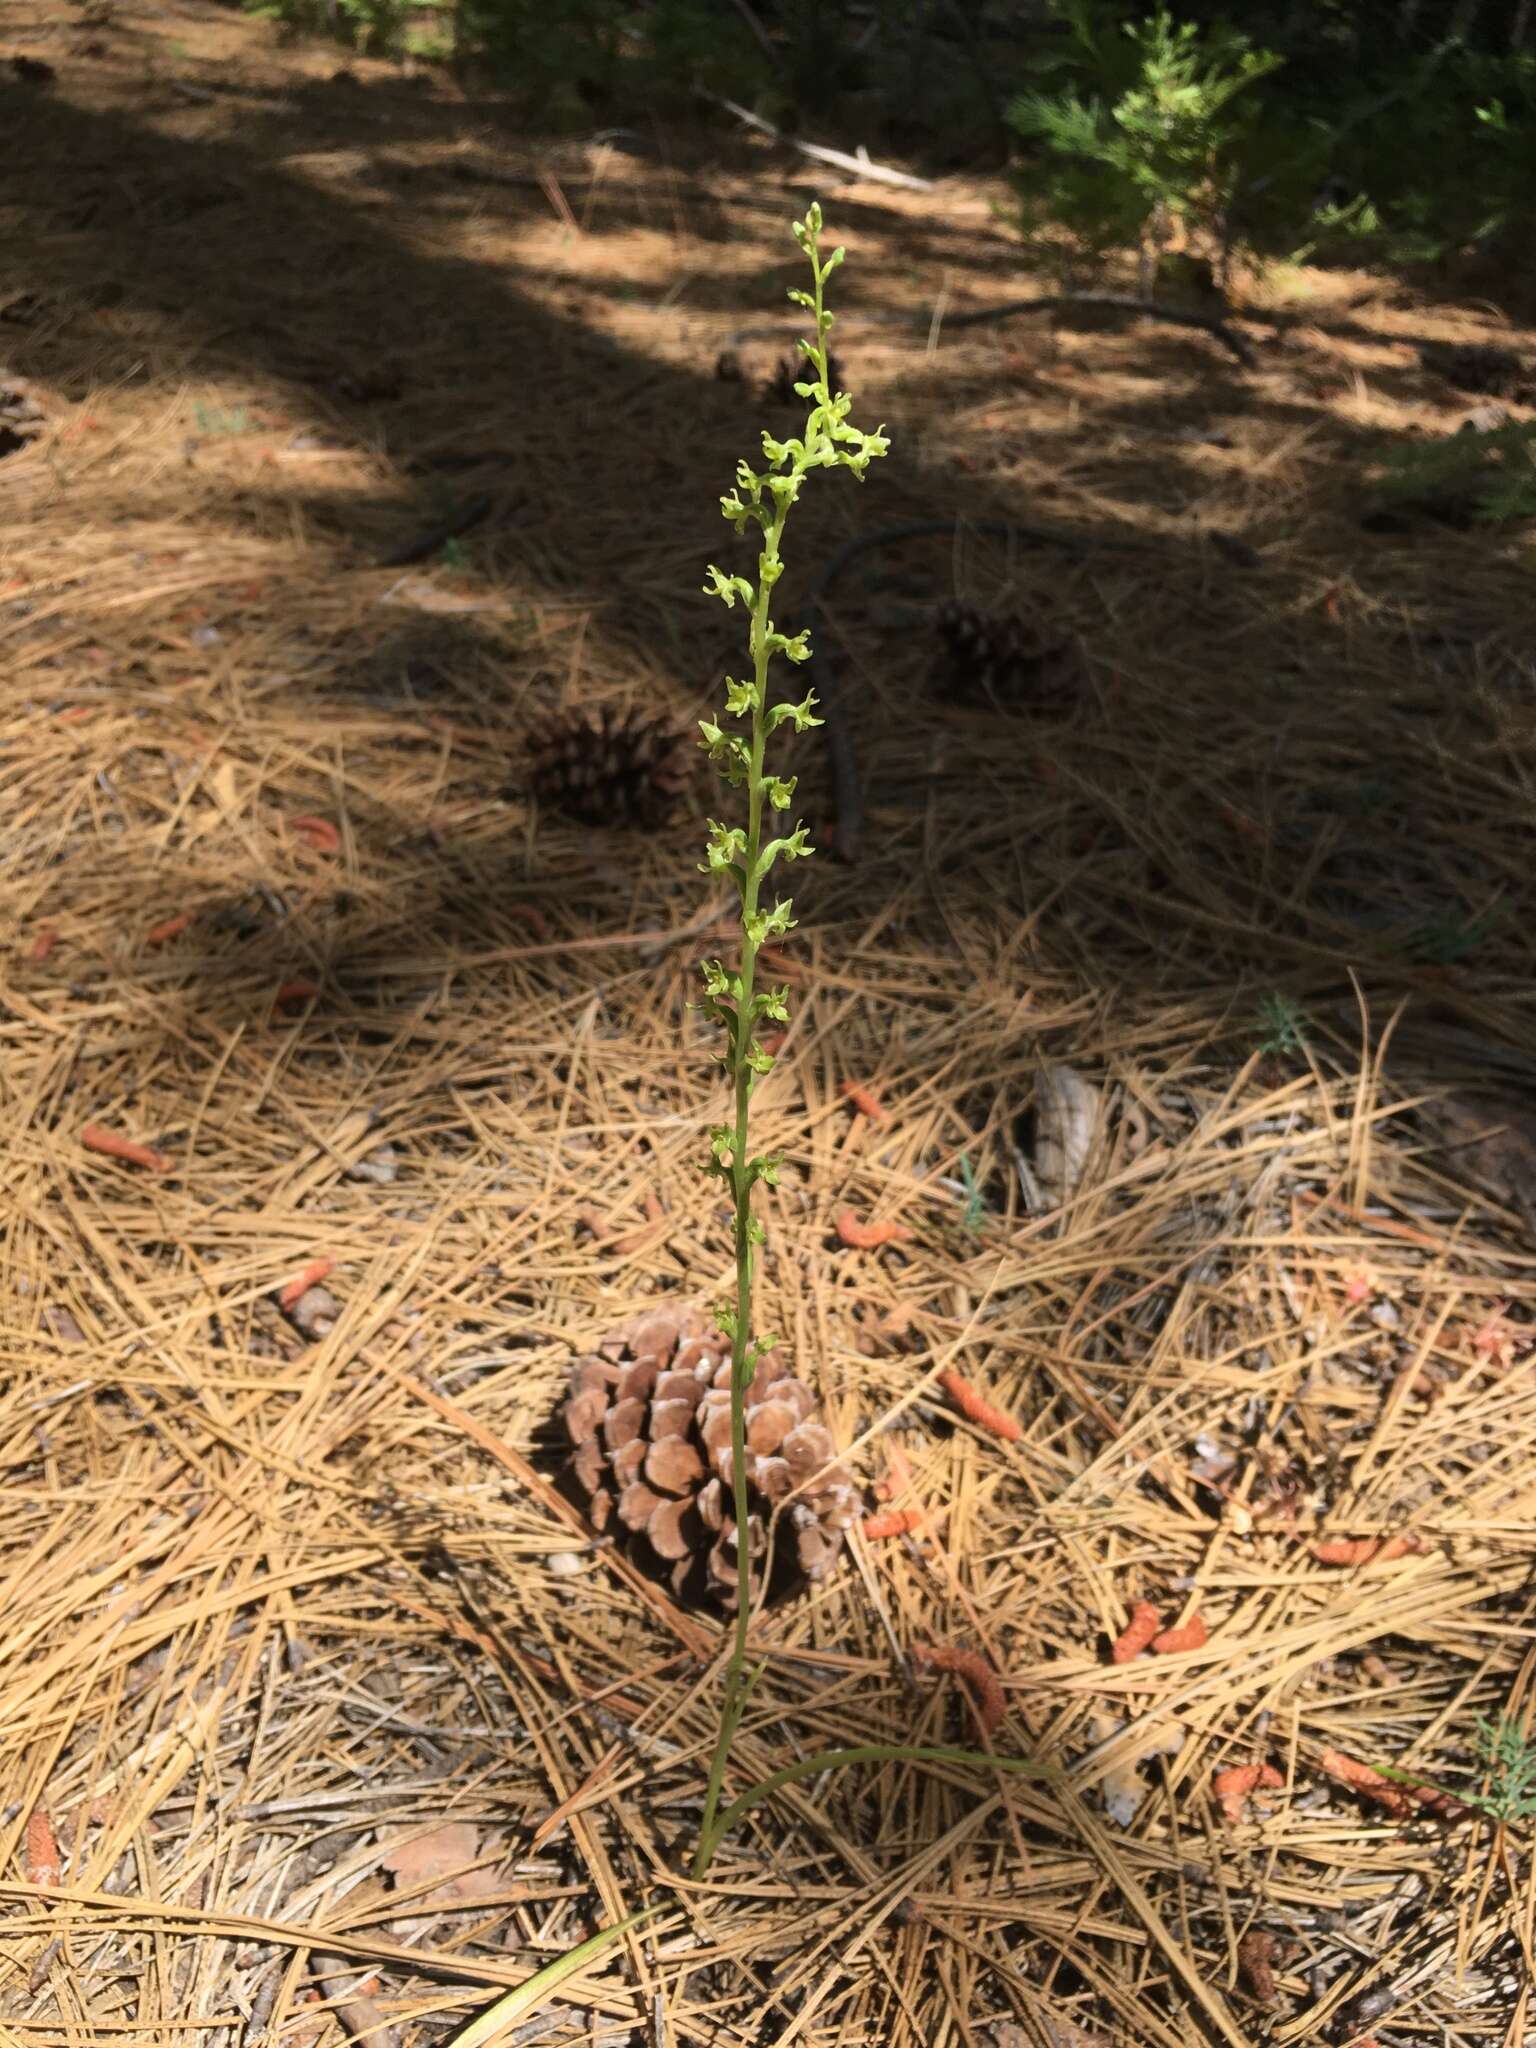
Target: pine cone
[(779, 389), (649, 1414), (610, 767), (1478, 366), (998, 660)]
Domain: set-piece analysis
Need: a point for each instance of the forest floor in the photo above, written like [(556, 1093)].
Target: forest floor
[(1198, 1008)]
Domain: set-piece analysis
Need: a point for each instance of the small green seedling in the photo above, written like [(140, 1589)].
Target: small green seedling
[(1508, 1755), (218, 419), (1452, 936), (1283, 1023), (1506, 1758), (975, 1209)]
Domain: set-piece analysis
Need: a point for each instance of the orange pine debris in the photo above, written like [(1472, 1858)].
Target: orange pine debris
[(1255, 1958), (170, 928), (320, 832), (1144, 1624), (1398, 1800), (893, 1522), (44, 1866), (299, 991), (1364, 1549), (531, 916), (47, 938), (1192, 1636), (989, 1705), (868, 1237), (316, 1271), (1344, 1770), (976, 1408), (898, 1475), (96, 1138), (864, 1100), (1232, 1787)]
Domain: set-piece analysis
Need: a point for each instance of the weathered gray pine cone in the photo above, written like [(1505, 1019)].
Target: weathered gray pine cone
[(649, 1416)]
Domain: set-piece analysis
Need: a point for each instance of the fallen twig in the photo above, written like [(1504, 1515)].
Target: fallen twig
[(859, 165), (357, 2011), (425, 544)]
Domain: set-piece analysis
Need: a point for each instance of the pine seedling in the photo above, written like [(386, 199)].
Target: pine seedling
[(1283, 1024), (1508, 1756)]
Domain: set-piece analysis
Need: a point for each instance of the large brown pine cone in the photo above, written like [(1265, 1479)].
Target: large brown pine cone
[(992, 658), (649, 1414), (611, 767)]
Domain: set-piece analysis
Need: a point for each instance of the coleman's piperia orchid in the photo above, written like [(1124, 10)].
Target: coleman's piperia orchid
[(762, 500)]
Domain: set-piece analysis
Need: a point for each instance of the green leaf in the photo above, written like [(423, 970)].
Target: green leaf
[(493, 2025)]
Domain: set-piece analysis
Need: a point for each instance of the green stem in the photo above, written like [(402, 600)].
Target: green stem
[(735, 1702)]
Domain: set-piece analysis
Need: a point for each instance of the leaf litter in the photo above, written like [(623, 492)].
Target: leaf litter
[(290, 1591)]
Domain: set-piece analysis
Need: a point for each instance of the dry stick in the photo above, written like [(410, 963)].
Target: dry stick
[(354, 2008), (847, 795), (428, 543), (859, 165)]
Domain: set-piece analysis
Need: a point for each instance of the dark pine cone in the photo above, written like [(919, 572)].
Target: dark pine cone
[(994, 659), (610, 767), (779, 389), (649, 1414)]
